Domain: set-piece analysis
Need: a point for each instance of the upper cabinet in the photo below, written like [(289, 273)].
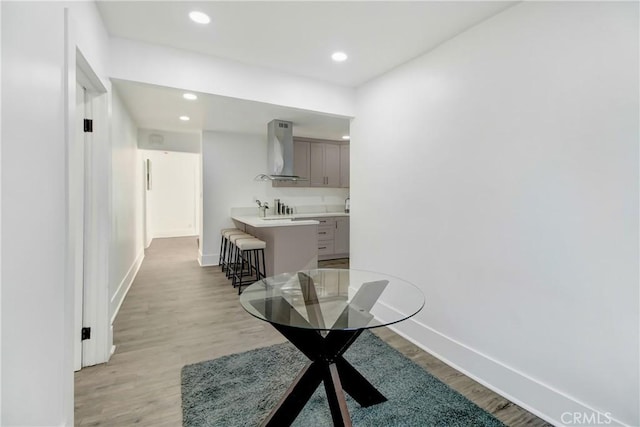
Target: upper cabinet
[(324, 163), (344, 166)]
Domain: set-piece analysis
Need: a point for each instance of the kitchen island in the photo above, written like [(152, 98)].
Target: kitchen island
[(292, 243)]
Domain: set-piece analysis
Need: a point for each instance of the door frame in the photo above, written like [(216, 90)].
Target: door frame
[(75, 173), (89, 296)]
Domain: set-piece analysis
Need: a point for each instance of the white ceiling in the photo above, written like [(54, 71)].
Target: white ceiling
[(295, 37)]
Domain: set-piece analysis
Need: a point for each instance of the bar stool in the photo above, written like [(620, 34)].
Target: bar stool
[(249, 251), (225, 247), (223, 244), (232, 252), (223, 259)]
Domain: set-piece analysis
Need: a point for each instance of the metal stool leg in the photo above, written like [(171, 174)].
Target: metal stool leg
[(246, 254), (234, 266), (233, 259), (224, 254), (221, 253), (264, 265)]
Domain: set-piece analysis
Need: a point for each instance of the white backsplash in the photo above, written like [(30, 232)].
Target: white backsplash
[(302, 209), (302, 200)]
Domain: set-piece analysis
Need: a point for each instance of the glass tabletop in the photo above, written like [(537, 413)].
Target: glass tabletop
[(332, 299)]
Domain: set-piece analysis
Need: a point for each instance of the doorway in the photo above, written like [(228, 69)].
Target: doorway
[(88, 216), (172, 193)]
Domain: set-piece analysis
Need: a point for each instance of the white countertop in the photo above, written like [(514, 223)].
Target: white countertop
[(315, 215), (285, 220), (254, 221)]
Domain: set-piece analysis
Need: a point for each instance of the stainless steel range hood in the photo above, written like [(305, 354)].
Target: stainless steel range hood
[(279, 153)]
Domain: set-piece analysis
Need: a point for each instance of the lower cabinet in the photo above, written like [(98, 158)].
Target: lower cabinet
[(341, 239), (333, 237)]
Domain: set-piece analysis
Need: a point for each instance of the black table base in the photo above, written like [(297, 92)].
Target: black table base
[(326, 366)]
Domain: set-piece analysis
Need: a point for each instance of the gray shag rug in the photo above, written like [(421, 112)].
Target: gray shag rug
[(241, 389)]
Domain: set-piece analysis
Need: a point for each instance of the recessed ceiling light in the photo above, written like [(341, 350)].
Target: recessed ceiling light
[(346, 137), (190, 96), (339, 56), (199, 17), (185, 118)]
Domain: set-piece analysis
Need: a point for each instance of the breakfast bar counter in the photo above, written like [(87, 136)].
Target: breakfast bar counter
[(292, 244), (273, 221)]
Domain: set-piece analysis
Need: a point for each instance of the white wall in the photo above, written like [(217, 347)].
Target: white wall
[(510, 153), (230, 163), (37, 315), (177, 68), (127, 246), (172, 202), (1, 276)]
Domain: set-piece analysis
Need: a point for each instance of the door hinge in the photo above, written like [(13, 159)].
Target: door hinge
[(86, 334), (88, 125)]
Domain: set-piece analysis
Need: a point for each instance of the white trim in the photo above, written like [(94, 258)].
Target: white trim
[(186, 232), (74, 194), (97, 230), (536, 397), (125, 285), (67, 317), (208, 260), (72, 289)]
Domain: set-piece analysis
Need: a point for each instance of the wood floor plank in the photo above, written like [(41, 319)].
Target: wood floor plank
[(177, 313)]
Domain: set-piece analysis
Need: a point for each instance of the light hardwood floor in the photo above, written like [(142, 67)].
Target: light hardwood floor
[(177, 313)]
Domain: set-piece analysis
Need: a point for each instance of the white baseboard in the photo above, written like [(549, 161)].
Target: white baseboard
[(208, 260), (125, 285), (187, 232), (536, 397)]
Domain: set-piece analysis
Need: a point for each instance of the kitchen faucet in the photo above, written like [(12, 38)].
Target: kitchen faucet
[(262, 208)]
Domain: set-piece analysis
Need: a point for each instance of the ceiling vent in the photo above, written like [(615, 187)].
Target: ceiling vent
[(156, 139)]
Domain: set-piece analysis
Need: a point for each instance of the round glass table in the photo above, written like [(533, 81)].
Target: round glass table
[(322, 312)]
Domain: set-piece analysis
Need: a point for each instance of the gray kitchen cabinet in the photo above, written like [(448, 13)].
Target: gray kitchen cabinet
[(341, 237), (300, 165), (324, 165), (344, 166), (326, 232), (316, 172), (332, 164), (333, 237)]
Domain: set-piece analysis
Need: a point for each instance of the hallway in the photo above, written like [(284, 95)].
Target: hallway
[(177, 313)]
